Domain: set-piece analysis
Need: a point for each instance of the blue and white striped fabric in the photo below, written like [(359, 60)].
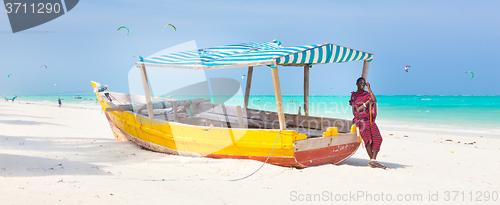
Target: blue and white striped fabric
[(324, 53), (255, 54)]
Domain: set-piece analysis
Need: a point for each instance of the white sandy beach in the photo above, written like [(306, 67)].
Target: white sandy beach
[(51, 155)]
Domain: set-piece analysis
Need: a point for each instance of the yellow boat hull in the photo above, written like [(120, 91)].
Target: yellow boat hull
[(236, 143)]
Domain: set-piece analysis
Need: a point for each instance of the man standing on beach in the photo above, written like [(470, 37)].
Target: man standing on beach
[(364, 110), (59, 101)]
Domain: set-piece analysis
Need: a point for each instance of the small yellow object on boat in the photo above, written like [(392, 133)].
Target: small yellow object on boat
[(327, 134), (300, 137), (333, 131), (353, 129)]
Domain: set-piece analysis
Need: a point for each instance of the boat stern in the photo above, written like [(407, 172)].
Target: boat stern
[(325, 150)]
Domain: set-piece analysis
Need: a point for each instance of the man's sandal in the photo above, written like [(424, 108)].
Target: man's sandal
[(374, 164)]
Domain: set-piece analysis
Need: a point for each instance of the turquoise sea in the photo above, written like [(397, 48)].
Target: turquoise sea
[(424, 112), (86, 101), (465, 113)]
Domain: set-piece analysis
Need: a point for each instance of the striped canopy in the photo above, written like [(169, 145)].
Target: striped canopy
[(255, 54)]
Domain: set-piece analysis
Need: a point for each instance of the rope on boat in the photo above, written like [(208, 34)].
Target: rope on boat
[(275, 142), (189, 107), (116, 99)]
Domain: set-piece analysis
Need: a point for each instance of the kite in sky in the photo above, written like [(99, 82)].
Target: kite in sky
[(170, 25), (142, 59), (128, 31), (243, 77), (8, 76), (470, 73), (45, 66), (406, 68)]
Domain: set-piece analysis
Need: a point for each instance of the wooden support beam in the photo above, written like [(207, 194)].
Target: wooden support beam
[(297, 121), (366, 64), (240, 116), (147, 95), (118, 108), (279, 101), (306, 90), (176, 118), (249, 82)]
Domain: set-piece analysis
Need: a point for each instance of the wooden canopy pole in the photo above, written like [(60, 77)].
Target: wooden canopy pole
[(249, 82), (365, 70), (145, 85), (306, 90), (277, 95)]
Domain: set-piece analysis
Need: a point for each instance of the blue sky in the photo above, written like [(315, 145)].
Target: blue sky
[(440, 40)]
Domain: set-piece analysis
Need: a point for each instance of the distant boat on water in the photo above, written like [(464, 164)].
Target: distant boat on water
[(78, 97)]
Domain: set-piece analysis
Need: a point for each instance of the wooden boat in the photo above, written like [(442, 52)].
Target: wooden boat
[(199, 128)]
